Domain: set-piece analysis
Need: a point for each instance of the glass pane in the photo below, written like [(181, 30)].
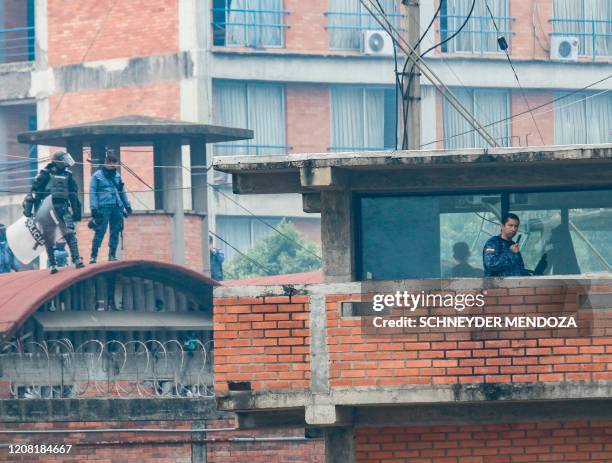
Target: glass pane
[(572, 229), (466, 223)]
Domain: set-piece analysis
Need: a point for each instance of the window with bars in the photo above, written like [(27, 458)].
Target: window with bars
[(348, 19), (489, 105), (588, 20), (249, 23), (362, 118), (479, 34)]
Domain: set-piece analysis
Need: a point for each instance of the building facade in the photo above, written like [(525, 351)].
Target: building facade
[(302, 76), (399, 356)]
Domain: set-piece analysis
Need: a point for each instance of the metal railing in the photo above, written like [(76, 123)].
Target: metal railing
[(257, 28), (595, 35), (478, 36), (345, 28), (17, 44), (336, 149), (229, 149)]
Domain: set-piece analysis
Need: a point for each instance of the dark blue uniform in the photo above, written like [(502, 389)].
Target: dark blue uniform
[(499, 260)]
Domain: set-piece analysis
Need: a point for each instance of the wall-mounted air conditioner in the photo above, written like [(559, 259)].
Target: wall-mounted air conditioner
[(377, 43), (564, 48)]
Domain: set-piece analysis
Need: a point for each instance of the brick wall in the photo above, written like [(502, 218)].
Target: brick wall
[(546, 441), (147, 236), (103, 29), (477, 356), (162, 448), (308, 118), (263, 340), (253, 336), (523, 126), (307, 32)]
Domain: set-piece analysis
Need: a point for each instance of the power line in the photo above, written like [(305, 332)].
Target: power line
[(504, 46), (422, 55), (429, 74)]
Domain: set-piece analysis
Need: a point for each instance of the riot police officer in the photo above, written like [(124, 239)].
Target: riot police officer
[(56, 180), (501, 256)]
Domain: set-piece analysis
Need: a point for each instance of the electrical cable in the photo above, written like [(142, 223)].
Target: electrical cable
[(505, 50), (431, 75), (422, 55)]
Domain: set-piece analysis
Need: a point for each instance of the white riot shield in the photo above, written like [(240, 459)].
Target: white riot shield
[(27, 237)]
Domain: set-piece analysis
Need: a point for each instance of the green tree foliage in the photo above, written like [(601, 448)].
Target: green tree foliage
[(277, 254)]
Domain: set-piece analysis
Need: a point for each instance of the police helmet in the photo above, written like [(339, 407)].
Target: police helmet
[(62, 159)]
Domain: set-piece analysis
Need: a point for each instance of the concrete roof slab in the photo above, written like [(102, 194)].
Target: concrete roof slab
[(134, 129)]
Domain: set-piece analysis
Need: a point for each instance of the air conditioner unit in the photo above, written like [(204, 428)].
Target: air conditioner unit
[(564, 48), (377, 43)]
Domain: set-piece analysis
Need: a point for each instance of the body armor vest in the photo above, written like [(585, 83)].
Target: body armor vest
[(58, 186)]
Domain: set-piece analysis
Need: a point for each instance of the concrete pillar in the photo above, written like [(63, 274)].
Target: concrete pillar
[(98, 152), (339, 445), (337, 235), (169, 182), (75, 149), (199, 194)]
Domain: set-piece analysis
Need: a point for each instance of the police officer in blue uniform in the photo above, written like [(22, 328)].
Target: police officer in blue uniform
[(501, 256)]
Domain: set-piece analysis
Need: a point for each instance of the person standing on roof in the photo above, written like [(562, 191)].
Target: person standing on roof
[(56, 180), (109, 205)]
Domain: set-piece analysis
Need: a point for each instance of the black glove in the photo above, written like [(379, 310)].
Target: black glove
[(129, 210), (28, 206)]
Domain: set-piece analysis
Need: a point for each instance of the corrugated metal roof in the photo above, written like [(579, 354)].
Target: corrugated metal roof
[(22, 293)]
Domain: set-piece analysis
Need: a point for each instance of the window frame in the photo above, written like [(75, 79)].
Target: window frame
[(505, 208), (337, 149)]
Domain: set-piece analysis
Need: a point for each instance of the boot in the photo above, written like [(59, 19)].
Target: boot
[(94, 255), (74, 251), (51, 261), (112, 254)]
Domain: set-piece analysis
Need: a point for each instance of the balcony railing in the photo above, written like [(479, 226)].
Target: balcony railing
[(257, 28), (478, 36), (339, 149), (345, 28), (595, 35), (17, 44), (229, 149)]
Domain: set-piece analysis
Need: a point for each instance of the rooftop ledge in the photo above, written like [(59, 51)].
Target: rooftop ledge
[(455, 284), (417, 158), (516, 169), (412, 404)]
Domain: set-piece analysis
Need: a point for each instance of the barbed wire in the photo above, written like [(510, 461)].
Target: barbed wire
[(95, 368)]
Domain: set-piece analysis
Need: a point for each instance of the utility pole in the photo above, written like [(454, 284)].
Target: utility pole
[(412, 81)]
